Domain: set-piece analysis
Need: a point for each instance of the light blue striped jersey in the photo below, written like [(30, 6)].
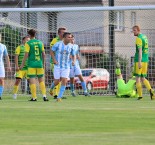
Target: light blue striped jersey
[(76, 49), (3, 52), (62, 54)]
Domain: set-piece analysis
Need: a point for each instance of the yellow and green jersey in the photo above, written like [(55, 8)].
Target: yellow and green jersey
[(55, 40), (142, 42), (20, 51), (35, 48)]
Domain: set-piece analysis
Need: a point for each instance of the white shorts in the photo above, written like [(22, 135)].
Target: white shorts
[(61, 73), (2, 72), (75, 71)]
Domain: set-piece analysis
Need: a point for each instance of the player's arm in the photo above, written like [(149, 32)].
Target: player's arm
[(53, 42), (73, 56), (139, 45), (43, 55), (27, 49), (53, 49), (78, 54), (17, 52), (7, 59)]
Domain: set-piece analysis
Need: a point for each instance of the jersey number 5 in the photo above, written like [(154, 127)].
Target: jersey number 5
[(37, 57)]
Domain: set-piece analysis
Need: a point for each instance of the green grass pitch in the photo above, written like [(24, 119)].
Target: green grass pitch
[(95, 120)]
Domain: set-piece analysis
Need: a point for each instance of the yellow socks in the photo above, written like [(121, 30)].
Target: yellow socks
[(56, 90), (33, 90), (43, 88), (15, 89), (147, 84), (139, 89)]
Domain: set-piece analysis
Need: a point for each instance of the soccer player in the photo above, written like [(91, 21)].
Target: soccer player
[(3, 53), (76, 71), (141, 59), (61, 31), (61, 60), (19, 54), (125, 89), (34, 51)]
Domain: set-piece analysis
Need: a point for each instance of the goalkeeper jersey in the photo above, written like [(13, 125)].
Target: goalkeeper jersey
[(20, 51), (126, 89), (35, 48), (141, 42)]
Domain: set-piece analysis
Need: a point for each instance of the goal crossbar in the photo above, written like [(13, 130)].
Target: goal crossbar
[(67, 9)]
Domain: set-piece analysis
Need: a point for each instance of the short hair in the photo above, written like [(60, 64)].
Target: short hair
[(136, 27), (61, 28), (66, 33), (72, 35), (24, 38), (32, 32)]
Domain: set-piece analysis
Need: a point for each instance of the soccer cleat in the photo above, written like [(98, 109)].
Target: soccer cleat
[(86, 94), (45, 99), (73, 94), (55, 97), (140, 98), (58, 100), (15, 96), (152, 95), (117, 63), (51, 92), (33, 99)]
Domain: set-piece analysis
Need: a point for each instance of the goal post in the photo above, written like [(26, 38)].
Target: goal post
[(90, 26)]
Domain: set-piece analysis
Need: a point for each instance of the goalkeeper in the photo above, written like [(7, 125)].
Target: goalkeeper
[(125, 90)]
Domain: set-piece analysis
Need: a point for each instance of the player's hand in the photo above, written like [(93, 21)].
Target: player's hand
[(20, 67), (78, 57), (139, 65), (73, 63), (17, 69), (55, 62)]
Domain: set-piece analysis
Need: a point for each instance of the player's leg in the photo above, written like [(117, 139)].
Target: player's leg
[(2, 76), (137, 73), (16, 87), (1, 87), (40, 74), (72, 75), (120, 91), (56, 89), (146, 82), (56, 80), (64, 74), (72, 87), (19, 75), (32, 77), (83, 83)]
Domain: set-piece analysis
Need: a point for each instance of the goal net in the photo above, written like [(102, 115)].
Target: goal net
[(103, 36)]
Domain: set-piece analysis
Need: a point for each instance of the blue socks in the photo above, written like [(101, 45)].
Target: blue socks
[(72, 87), (62, 90), (84, 86), (1, 90)]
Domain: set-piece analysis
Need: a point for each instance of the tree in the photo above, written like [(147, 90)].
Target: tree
[(11, 37)]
